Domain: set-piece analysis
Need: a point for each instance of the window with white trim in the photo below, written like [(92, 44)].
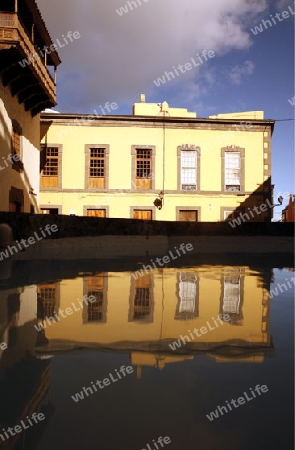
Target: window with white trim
[(232, 171), (188, 177)]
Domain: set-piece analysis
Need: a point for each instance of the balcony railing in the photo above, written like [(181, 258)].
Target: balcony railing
[(13, 33)]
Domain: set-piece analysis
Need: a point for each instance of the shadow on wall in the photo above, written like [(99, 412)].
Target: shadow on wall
[(256, 208), (12, 181)]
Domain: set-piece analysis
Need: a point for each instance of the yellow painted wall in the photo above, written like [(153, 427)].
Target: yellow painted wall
[(30, 153)]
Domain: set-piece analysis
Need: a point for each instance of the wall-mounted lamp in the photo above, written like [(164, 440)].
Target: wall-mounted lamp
[(31, 191), (280, 200), (159, 202)]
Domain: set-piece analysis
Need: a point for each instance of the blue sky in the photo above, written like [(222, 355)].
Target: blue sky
[(118, 56)]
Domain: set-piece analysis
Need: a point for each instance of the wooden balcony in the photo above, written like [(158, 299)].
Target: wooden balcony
[(33, 83)]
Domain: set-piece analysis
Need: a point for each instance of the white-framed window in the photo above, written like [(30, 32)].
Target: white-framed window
[(232, 171), (188, 176)]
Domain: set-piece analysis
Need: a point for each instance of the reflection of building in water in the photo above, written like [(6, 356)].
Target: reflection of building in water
[(148, 313), (24, 377), (140, 360), (188, 296)]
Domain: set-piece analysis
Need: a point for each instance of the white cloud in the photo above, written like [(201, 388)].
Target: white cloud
[(238, 72), (116, 57)]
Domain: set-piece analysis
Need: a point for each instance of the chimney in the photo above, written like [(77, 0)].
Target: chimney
[(142, 98)]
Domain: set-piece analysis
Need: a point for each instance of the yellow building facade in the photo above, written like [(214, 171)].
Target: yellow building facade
[(26, 88), (159, 163)]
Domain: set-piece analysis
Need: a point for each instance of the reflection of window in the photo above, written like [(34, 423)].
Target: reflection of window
[(141, 299), (47, 300), (231, 295), (187, 291), (96, 286), (231, 298)]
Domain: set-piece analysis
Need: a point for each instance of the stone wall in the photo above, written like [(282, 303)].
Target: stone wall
[(24, 226)]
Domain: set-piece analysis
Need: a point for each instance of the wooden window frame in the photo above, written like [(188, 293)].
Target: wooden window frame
[(16, 131), (143, 208), (136, 186), (188, 208), (94, 207), (16, 196), (58, 207), (87, 150), (44, 147)]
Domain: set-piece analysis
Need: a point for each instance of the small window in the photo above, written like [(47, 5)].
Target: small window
[(230, 214), (142, 214), (188, 216), (96, 212)]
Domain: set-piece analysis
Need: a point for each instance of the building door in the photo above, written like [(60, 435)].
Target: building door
[(188, 216)]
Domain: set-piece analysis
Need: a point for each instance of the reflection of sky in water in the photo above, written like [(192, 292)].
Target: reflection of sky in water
[(132, 322)]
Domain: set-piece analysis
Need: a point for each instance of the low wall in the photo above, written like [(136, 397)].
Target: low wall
[(24, 226)]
